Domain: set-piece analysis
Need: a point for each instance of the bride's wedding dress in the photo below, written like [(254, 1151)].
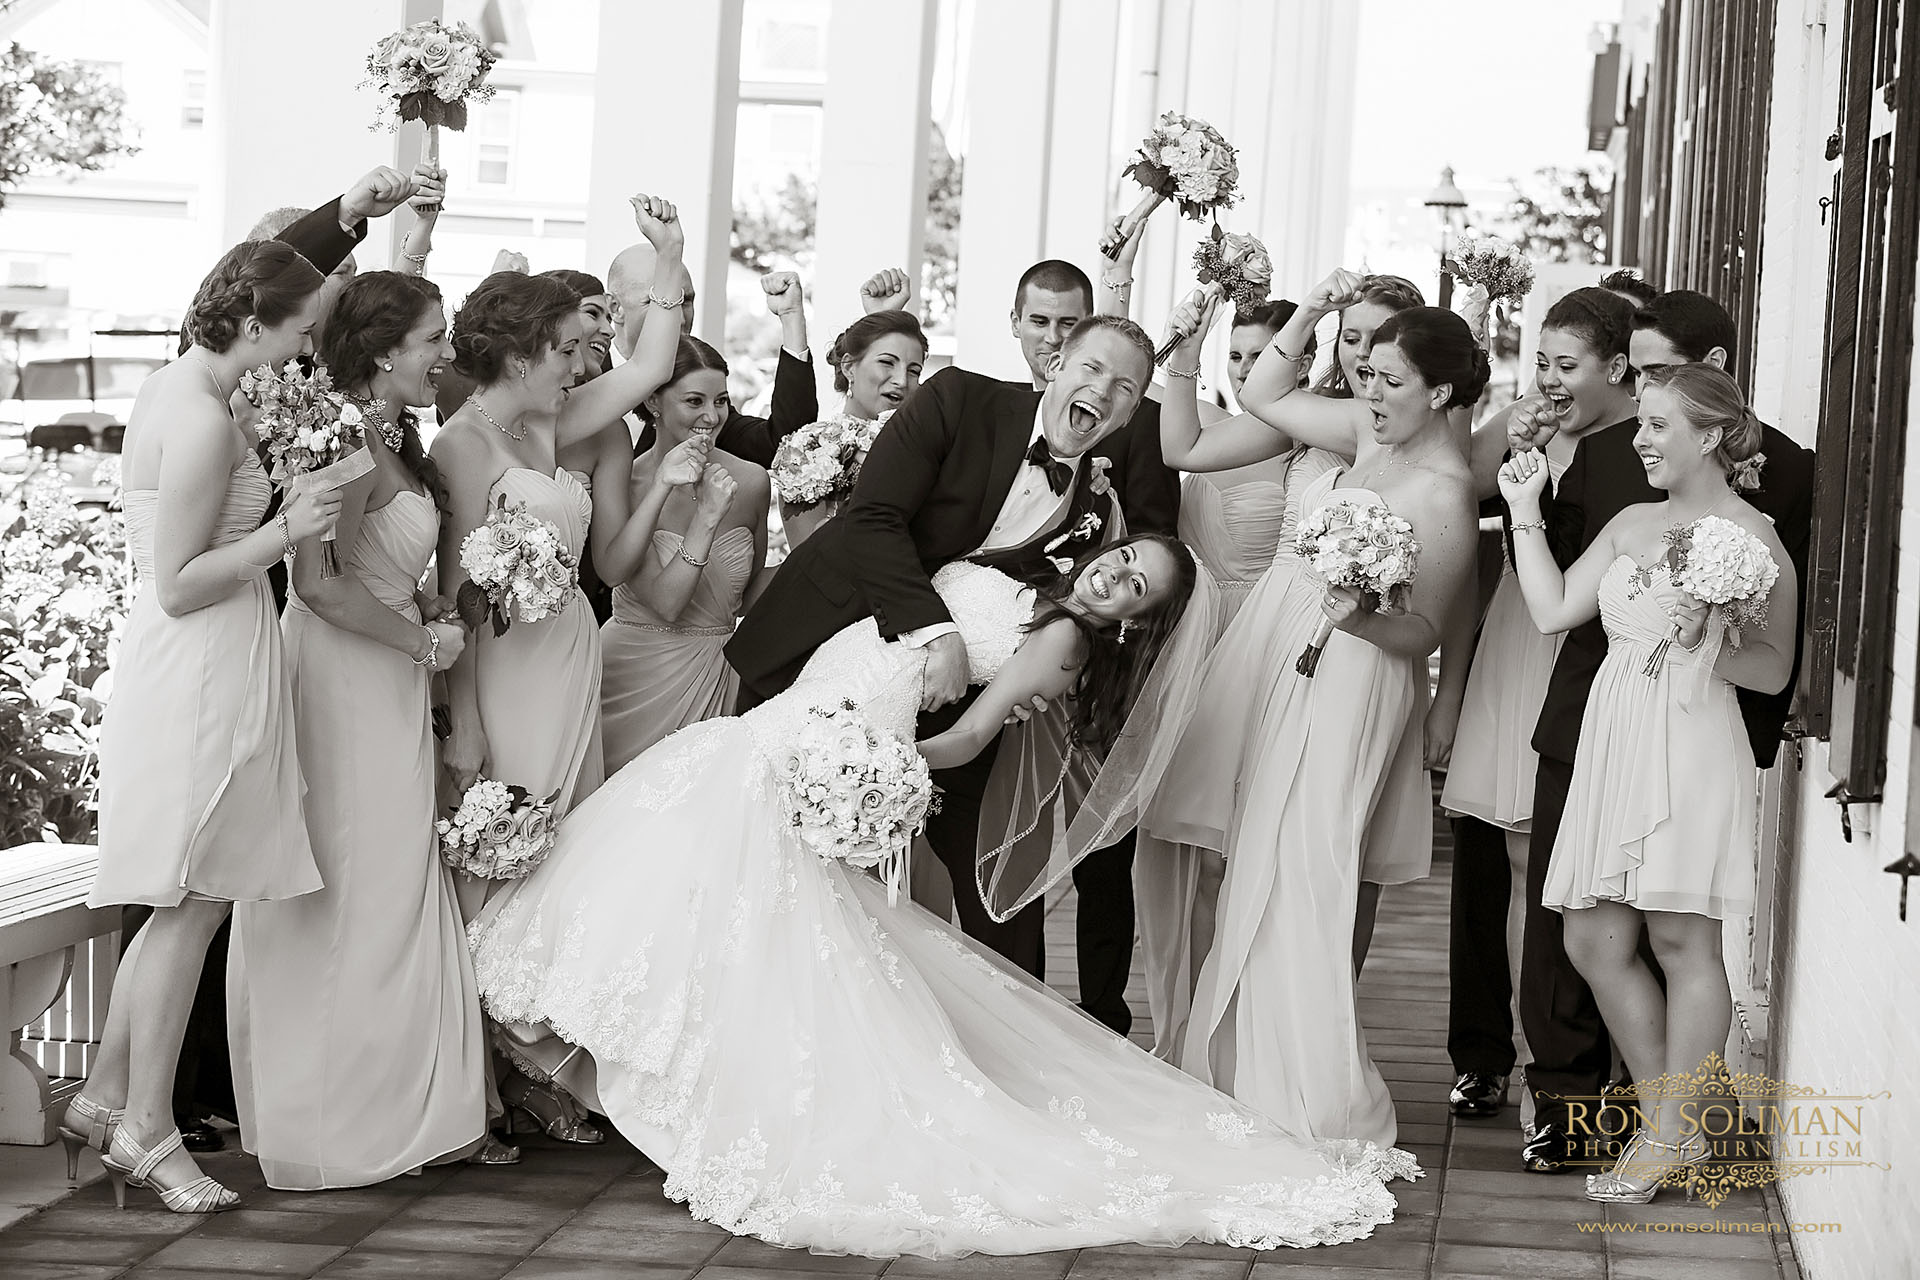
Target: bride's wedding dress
[(814, 1066)]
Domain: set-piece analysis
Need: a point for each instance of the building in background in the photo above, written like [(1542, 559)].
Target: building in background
[(1767, 153)]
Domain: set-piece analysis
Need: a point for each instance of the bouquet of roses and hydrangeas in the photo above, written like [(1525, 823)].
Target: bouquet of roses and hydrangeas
[(311, 432), (498, 832), (518, 569), (819, 462), (1350, 542), (1231, 267), (856, 795), (430, 71), (1718, 563), (1493, 264), (1185, 160)]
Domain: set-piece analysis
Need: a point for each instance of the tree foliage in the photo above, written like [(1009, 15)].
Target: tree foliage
[(57, 117), (1559, 214)]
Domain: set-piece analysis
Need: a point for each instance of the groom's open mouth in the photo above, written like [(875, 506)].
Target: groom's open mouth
[(1084, 417)]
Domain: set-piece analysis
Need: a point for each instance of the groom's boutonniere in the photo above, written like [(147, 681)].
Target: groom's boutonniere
[(1083, 530), (1099, 481)]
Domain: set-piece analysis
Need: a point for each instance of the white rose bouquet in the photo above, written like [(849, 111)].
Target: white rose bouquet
[(1494, 264), (855, 795), (819, 462), (1718, 563), (518, 569), (1230, 267), (430, 72), (1185, 160), (1360, 544), (498, 832), (312, 433)]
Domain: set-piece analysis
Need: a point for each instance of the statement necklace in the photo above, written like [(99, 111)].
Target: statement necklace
[(391, 433)]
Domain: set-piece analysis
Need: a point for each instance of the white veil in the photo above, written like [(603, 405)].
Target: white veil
[(1048, 805)]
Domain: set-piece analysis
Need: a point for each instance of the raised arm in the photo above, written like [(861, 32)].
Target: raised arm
[(1272, 390), (601, 402), (1046, 666), (1220, 446), (1113, 296), (430, 188), (796, 396), (1559, 601)]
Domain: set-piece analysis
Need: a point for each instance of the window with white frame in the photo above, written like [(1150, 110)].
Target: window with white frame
[(492, 127), (193, 99)]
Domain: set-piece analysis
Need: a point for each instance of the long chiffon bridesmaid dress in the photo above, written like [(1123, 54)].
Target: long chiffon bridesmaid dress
[(357, 1039), (200, 781), (659, 677)]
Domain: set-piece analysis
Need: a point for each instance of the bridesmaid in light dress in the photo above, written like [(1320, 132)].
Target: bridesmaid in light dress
[(675, 602), (358, 1045), (200, 784), (1240, 524), (525, 705), (1314, 764), (1634, 852)]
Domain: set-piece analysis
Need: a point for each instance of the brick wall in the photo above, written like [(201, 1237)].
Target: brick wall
[(1845, 992)]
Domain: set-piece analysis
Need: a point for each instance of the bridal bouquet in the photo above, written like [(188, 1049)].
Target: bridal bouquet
[(1494, 264), (499, 831), (311, 431), (518, 569), (429, 72), (1349, 542), (857, 796), (1231, 267), (1184, 160), (1718, 563), (819, 462)]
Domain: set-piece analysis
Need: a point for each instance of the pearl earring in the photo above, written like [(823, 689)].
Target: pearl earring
[(387, 365)]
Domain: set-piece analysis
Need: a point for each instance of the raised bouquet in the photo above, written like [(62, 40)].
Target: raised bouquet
[(1354, 543), (518, 569), (1718, 563), (1185, 160), (855, 795), (312, 433), (1494, 264), (819, 462), (498, 832), (1231, 267), (430, 71)]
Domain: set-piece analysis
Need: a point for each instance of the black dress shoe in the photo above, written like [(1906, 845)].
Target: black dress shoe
[(1477, 1094), (200, 1137), (1551, 1150)]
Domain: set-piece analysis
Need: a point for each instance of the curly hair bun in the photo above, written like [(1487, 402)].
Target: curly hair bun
[(265, 279)]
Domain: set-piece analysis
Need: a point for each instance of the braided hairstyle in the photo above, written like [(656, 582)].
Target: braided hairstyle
[(583, 284), (508, 315), (1115, 671), (371, 317), (265, 279)]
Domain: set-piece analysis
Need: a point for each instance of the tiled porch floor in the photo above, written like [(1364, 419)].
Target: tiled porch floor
[(593, 1213)]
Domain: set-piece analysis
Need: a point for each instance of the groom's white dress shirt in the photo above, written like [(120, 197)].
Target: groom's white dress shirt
[(1031, 506)]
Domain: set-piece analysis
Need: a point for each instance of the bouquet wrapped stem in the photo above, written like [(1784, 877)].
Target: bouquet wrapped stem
[(1230, 267), (1309, 660), (1185, 160), (1110, 244), (1359, 544), (1717, 563)]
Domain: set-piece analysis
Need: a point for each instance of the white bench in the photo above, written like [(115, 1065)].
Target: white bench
[(44, 918)]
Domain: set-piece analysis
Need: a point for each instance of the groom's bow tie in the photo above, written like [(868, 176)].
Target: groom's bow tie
[(1059, 474)]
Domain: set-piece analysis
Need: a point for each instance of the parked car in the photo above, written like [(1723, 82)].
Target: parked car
[(50, 391)]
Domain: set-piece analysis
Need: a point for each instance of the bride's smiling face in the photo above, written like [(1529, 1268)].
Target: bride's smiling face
[(1126, 581)]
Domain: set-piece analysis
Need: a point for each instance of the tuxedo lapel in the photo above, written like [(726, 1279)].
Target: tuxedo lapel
[(1012, 427)]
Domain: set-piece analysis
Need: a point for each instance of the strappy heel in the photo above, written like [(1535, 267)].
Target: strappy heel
[(1622, 1184), (130, 1165), (87, 1124), (566, 1125)]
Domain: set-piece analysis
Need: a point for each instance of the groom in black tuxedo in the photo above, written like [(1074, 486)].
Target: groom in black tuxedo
[(970, 468), (1572, 1053)]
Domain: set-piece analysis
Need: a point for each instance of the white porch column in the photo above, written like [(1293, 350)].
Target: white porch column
[(1084, 164), (288, 118), (873, 155), (665, 126), (1010, 100)]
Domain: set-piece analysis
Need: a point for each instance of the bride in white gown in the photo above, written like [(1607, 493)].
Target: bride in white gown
[(816, 1065)]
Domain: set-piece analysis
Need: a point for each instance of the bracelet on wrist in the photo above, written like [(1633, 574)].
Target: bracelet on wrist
[(1193, 373), (433, 647), (1118, 286), (698, 564), (1286, 355), (654, 297), (1522, 526), (420, 258), (286, 537)]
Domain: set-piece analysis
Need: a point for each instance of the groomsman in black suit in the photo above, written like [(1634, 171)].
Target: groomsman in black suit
[(325, 237), (970, 468), (1572, 1053)]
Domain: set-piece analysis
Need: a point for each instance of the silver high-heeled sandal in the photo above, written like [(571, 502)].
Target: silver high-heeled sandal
[(87, 1124), (1623, 1184), (130, 1165)]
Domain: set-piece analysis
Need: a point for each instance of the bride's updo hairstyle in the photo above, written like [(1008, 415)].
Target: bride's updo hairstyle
[(1440, 346), (508, 316), (691, 356), (855, 340), (265, 279), (1115, 670), (1711, 401), (373, 315)]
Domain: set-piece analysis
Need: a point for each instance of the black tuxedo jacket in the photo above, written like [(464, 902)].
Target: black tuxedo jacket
[(1606, 477), (929, 493), (319, 238), (796, 402)]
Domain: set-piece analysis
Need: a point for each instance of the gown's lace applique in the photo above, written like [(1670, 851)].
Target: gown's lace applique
[(684, 763), (824, 947), (1111, 1147), (736, 927), (951, 1065), (979, 963), (1141, 1196), (1232, 1129), (724, 1189), (1074, 1108)]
